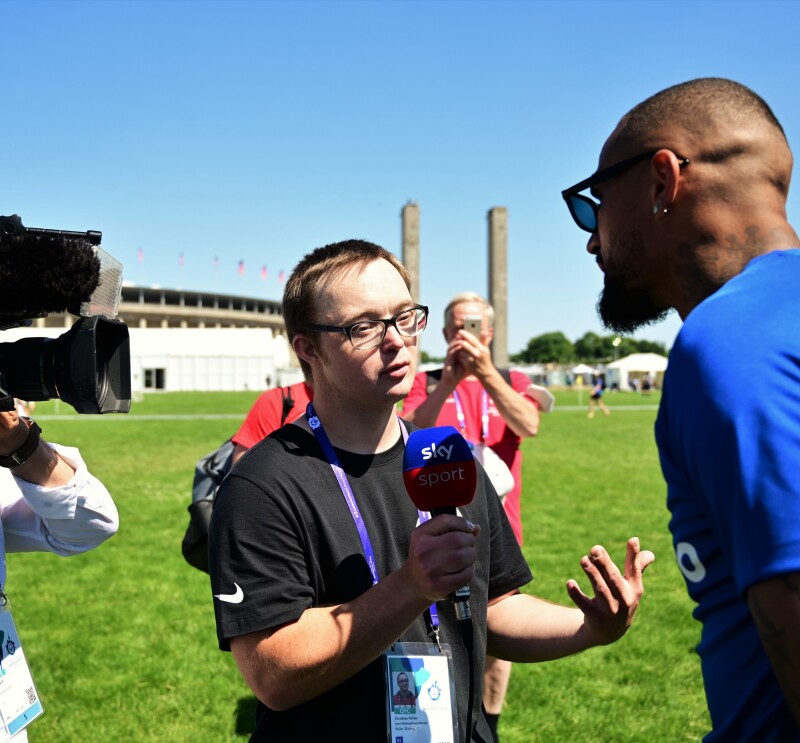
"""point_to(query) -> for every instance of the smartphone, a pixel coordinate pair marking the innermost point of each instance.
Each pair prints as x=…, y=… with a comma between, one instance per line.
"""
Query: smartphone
x=473, y=324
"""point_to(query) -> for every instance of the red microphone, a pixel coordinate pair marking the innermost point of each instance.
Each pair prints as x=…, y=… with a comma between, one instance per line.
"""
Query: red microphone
x=439, y=470
x=440, y=474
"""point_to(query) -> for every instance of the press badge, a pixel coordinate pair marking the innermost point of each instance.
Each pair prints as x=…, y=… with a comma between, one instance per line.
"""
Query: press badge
x=420, y=700
x=19, y=700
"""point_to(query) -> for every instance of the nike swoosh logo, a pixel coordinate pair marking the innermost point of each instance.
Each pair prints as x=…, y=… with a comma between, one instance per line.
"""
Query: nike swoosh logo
x=231, y=598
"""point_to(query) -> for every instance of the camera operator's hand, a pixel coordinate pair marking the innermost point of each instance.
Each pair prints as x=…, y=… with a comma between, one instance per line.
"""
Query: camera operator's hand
x=44, y=467
x=13, y=432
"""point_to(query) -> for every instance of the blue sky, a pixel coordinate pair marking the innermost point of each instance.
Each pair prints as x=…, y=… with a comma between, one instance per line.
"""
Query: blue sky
x=256, y=131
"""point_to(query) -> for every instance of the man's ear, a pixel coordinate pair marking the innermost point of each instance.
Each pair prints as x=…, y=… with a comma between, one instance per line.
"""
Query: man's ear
x=666, y=170
x=304, y=348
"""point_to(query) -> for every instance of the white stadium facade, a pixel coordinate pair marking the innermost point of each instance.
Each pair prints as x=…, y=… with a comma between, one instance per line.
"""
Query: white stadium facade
x=189, y=340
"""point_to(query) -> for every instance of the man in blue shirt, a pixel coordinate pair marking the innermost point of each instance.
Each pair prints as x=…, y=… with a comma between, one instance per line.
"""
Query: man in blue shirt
x=692, y=188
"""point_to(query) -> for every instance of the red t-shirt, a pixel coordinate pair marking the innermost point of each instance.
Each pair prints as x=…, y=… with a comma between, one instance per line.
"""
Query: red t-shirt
x=501, y=438
x=265, y=415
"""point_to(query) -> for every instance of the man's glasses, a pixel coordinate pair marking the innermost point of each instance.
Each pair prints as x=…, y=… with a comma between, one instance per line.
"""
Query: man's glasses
x=584, y=208
x=367, y=334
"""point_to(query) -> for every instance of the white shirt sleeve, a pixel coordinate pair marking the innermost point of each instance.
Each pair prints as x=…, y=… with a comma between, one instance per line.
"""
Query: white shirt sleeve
x=68, y=519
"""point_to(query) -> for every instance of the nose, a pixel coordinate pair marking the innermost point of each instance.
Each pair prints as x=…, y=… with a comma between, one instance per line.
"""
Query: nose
x=593, y=246
x=393, y=337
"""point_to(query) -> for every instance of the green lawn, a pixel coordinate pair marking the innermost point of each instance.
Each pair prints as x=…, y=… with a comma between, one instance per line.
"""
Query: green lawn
x=121, y=640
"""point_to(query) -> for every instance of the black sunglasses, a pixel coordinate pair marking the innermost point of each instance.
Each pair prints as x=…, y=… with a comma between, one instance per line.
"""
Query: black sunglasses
x=583, y=208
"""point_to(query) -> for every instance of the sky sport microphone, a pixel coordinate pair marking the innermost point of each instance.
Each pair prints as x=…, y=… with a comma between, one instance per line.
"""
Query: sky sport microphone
x=440, y=474
x=439, y=470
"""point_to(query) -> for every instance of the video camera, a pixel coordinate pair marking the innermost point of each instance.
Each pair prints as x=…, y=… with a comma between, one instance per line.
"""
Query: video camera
x=44, y=271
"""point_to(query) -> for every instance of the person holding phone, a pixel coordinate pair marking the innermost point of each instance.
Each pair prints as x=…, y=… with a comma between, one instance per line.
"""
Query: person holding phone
x=491, y=408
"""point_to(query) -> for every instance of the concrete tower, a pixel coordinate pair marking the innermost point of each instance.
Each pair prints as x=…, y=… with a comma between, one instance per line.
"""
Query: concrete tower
x=410, y=256
x=498, y=282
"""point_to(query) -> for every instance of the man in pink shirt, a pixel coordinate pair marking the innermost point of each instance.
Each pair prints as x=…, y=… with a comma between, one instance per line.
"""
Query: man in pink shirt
x=490, y=408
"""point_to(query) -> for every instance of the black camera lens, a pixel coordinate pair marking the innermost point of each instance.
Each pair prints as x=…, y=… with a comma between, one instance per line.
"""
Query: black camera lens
x=88, y=367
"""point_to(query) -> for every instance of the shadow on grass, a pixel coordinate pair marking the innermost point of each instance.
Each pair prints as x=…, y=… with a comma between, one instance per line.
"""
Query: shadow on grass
x=246, y=715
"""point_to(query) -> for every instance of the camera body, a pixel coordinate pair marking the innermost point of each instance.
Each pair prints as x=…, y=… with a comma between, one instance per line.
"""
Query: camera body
x=44, y=271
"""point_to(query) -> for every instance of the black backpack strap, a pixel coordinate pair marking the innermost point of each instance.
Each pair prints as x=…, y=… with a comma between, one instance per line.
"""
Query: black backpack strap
x=433, y=379
x=288, y=403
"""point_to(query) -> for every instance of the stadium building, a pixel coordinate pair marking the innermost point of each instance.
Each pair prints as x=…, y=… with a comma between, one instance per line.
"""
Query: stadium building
x=191, y=340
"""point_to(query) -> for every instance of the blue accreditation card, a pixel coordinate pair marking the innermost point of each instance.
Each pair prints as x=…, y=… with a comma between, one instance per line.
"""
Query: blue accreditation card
x=420, y=699
x=19, y=700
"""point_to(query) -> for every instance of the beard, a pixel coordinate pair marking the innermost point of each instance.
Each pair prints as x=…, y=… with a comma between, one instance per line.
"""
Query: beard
x=625, y=303
x=623, y=310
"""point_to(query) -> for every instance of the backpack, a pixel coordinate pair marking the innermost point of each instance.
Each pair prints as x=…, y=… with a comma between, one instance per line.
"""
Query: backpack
x=209, y=472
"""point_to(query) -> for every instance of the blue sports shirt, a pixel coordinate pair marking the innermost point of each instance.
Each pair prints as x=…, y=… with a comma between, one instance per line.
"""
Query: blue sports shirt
x=728, y=433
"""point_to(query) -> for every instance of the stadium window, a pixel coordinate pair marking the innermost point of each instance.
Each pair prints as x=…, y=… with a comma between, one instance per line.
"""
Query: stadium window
x=154, y=379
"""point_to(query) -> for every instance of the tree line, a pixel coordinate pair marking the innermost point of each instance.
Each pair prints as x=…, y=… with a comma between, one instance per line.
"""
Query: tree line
x=556, y=348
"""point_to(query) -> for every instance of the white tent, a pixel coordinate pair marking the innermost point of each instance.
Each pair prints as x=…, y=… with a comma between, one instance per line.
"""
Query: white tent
x=635, y=366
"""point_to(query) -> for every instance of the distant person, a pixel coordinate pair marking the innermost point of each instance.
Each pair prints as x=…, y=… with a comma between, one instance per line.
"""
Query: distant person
x=647, y=384
x=490, y=409
x=693, y=184
x=596, y=398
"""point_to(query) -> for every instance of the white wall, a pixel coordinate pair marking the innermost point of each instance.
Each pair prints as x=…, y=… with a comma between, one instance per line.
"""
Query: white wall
x=208, y=358
x=199, y=358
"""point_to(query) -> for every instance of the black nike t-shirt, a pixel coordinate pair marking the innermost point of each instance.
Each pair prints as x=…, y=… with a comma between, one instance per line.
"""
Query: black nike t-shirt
x=283, y=540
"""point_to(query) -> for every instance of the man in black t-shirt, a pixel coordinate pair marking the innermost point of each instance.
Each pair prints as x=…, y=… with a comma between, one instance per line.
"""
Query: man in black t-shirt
x=305, y=614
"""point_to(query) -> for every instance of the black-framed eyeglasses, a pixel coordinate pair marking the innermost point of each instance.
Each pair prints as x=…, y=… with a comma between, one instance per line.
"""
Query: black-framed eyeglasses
x=367, y=334
x=584, y=208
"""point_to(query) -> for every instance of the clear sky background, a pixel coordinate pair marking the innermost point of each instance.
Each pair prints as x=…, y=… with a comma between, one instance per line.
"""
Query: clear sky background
x=257, y=131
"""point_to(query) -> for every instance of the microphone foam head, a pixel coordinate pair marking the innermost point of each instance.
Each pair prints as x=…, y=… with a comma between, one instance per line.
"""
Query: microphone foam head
x=41, y=274
x=439, y=469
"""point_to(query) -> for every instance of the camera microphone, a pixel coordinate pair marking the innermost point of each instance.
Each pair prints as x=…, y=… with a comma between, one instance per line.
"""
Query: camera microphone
x=44, y=271
x=439, y=473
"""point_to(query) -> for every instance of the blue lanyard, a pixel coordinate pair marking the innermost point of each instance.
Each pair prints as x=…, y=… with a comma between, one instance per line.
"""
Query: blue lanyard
x=350, y=499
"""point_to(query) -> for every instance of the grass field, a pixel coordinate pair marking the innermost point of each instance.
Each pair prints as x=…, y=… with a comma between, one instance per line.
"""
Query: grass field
x=121, y=640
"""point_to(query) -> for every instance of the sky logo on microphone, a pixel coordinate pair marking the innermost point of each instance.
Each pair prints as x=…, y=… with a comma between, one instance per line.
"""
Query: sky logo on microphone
x=432, y=451
x=439, y=468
